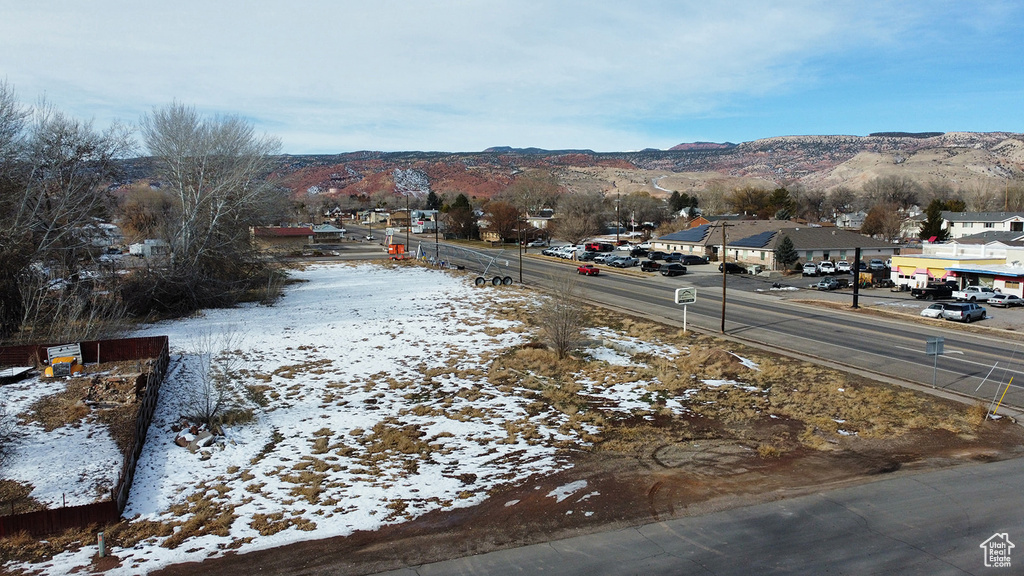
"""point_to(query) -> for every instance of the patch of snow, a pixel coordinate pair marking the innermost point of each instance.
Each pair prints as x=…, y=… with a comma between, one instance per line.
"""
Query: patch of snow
x=511, y=503
x=748, y=363
x=566, y=490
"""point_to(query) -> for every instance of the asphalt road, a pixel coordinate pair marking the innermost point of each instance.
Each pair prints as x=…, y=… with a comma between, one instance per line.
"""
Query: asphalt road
x=973, y=364
x=933, y=523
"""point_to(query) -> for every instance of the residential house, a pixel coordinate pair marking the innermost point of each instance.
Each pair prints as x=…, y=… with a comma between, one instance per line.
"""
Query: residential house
x=328, y=234
x=852, y=220
x=813, y=244
x=150, y=248
x=281, y=239
x=540, y=219
x=962, y=224
x=706, y=239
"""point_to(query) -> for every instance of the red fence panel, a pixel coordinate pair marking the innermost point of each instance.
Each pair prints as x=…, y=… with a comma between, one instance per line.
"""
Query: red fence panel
x=44, y=522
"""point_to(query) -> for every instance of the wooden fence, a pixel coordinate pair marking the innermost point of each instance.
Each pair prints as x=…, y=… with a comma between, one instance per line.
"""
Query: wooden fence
x=44, y=522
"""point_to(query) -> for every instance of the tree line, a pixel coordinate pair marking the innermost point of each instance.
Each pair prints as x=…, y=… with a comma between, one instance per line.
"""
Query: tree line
x=58, y=177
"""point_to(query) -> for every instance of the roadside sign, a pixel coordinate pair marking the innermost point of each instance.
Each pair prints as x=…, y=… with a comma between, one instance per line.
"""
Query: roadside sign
x=686, y=295
x=935, y=346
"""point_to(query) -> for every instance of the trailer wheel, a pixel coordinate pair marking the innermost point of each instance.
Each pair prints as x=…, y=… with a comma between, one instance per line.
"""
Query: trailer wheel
x=496, y=281
x=480, y=281
x=507, y=280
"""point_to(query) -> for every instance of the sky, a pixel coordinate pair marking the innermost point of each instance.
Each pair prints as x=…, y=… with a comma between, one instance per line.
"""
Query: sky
x=461, y=75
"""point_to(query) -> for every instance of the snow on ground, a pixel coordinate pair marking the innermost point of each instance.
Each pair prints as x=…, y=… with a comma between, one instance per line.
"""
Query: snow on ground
x=372, y=406
x=33, y=452
x=377, y=411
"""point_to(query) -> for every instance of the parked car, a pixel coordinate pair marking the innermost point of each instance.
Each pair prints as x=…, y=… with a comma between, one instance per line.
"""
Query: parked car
x=843, y=266
x=550, y=251
x=974, y=293
x=934, y=311
x=656, y=255
x=588, y=270
x=650, y=266
x=673, y=269
x=536, y=244
x=963, y=311
x=832, y=283
x=638, y=252
x=674, y=257
x=731, y=268
x=602, y=257
x=810, y=269
x=693, y=260
x=586, y=256
x=623, y=262
x=877, y=264
x=934, y=291
x=1005, y=301
x=826, y=267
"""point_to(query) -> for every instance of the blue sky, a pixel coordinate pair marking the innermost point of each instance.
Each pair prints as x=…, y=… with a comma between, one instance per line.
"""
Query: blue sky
x=463, y=75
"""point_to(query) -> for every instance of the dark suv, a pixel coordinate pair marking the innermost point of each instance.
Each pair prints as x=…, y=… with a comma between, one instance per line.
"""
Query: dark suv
x=650, y=266
x=656, y=255
x=731, y=268
x=692, y=259
x=673, y=269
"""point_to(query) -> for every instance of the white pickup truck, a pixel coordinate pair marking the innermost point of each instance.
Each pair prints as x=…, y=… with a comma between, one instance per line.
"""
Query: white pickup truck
x=974, y=294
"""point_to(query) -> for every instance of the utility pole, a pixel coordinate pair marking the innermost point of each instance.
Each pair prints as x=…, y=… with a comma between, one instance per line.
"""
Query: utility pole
x=725, y=274
x=408, y=223
x=618, y=198
x=519, y=229
x=437, y=244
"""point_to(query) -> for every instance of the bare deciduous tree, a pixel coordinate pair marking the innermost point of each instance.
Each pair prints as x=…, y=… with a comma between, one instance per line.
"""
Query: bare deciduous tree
x=580, y=215
x=532, y=191
x=55, y=172
x=212, y=391
x=562, y=316
x=503, y=219
x=216, y=173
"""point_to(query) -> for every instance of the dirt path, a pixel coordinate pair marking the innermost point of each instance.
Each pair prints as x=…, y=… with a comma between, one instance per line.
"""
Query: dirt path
x=609, y=490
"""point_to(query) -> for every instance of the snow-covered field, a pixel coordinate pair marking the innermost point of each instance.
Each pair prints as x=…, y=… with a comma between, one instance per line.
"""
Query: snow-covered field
x=372, y=406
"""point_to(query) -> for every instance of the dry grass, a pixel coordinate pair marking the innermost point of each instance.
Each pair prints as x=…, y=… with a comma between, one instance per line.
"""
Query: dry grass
x=62, y=409
x=15, y=498
x=205, y=516
x=269, y=524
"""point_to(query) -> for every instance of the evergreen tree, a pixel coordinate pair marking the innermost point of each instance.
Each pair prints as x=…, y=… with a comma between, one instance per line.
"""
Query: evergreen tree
x=785, y=253
x=433, y=202
x=932, y=226
x=677, y=202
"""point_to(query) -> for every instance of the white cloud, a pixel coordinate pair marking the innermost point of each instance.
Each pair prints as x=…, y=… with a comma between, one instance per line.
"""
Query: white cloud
x=335, y=76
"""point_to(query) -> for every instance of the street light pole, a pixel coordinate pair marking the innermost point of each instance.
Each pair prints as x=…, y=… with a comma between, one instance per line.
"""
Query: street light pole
x=725, y=274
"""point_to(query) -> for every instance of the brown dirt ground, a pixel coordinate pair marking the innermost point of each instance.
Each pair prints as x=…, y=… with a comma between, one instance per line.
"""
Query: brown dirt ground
x=655, y=481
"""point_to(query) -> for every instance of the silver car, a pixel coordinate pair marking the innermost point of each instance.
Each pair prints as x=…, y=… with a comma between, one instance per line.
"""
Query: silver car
x=963, y=311
x=934, y=311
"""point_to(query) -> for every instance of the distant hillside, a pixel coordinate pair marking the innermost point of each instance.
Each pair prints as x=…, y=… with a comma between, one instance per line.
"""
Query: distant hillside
x=961, y=159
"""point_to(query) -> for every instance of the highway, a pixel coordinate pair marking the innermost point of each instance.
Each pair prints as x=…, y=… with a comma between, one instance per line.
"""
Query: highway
x=871, y=344
x=975, y=364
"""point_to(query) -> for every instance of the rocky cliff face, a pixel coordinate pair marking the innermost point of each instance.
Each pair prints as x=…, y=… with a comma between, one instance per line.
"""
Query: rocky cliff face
x=962, y=159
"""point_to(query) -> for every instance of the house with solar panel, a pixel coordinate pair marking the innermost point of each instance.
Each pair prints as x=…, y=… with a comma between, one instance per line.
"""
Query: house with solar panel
x=753, y=242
